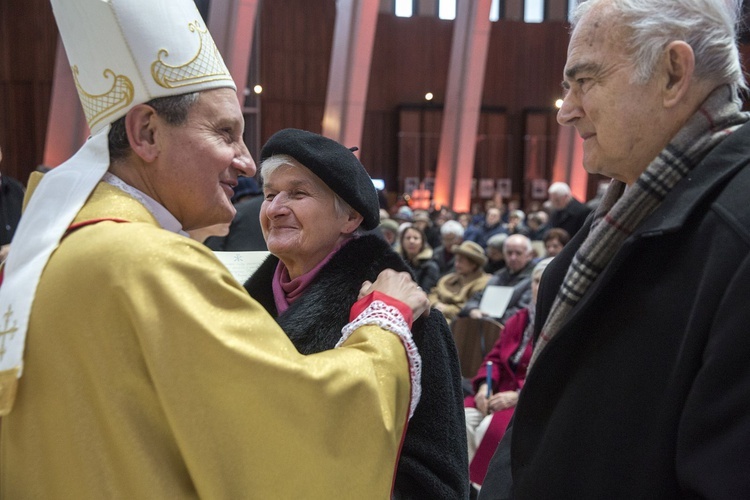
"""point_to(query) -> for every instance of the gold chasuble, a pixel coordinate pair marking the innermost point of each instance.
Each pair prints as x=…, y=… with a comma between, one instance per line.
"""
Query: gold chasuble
x=149, y=373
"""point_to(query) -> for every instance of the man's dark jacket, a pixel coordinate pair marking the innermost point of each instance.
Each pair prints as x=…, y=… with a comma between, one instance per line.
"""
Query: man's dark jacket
x=570, y=218
x=645, y=390
x=11, y=200
x=434, y=461
x=244, y=232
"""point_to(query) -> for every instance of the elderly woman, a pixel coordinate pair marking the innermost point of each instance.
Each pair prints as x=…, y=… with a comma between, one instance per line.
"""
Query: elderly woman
x=319, y=200
x=454, y=289
x=489, y=410
x=418, y=254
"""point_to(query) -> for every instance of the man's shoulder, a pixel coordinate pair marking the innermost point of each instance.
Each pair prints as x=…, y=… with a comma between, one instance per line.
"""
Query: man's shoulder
x=576, y=207
x=731, y=203
x=12, y=184
x=126, y=243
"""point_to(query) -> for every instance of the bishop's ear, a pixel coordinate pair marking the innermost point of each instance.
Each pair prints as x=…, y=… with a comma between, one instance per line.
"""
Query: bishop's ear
x=141, y=124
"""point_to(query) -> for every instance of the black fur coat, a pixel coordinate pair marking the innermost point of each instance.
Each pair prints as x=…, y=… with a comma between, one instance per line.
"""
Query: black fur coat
x=433, y=462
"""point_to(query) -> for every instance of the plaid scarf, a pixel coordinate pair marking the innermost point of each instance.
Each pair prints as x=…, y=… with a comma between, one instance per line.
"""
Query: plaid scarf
x=618, y=214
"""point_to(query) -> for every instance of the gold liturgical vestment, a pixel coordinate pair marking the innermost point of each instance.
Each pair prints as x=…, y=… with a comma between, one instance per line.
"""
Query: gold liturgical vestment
x=150, y=373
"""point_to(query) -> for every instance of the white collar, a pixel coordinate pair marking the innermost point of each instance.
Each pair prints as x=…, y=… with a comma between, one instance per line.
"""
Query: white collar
x=163, y=216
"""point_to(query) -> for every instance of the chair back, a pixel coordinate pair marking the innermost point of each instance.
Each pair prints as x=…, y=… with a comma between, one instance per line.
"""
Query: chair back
x=474, y=339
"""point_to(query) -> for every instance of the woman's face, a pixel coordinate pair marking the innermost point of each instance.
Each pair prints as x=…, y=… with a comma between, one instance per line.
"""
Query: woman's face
x=299, y=219
x=411, y=242
x=464, y=265
x=553, y=247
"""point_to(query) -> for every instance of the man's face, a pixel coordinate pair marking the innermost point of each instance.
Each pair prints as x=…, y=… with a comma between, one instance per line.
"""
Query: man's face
x=200, y=160
x=449, y=240
x=616, y=119
x=494, y=254
x=516, y=253
x=493, y=216
x=558, y=201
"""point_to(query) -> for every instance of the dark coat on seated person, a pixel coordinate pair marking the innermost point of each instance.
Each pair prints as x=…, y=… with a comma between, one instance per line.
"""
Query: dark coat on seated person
x=433, y=462
x=645, y=390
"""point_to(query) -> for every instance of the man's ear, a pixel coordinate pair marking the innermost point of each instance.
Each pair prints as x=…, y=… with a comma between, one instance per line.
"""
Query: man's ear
x=141, y=123
x=679, y=66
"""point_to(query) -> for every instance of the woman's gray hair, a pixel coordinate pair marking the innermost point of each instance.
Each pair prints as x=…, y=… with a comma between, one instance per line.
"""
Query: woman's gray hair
x=708, y=26
x=273, y=163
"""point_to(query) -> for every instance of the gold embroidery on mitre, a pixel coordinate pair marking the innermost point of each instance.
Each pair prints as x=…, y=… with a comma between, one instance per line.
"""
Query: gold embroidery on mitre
x=7, y=330
x=205, y=66
x=97, y=107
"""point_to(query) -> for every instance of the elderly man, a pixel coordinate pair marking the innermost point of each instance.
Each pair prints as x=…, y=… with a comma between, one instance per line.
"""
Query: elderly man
x=148, y=371
x=639, y=385
x=493, y=225
x=517, y=253
x=568, y=213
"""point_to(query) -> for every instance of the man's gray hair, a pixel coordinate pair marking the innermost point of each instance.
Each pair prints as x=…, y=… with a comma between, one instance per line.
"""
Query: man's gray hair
x=452, y=227
x=559, y=188
x=497, y=241
x=520, y=238
x=708, y=26
x=172, y=109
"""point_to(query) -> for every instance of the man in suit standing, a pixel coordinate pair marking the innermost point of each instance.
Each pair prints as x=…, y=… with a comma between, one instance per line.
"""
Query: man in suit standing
x=569, y=213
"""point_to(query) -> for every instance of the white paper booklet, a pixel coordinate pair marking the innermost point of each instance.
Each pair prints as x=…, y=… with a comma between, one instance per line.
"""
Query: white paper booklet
x=242, y=265
x=495, y=300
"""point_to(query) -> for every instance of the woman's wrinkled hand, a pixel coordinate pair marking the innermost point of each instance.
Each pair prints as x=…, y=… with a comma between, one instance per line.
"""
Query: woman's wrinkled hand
x=401, y=287
x=503, y=400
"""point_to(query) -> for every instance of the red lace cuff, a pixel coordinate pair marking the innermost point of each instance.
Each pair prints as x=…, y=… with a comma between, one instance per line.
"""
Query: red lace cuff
x=365, y=302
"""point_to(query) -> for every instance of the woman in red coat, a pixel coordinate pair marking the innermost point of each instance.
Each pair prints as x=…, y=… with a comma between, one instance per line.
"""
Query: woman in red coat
x=489, y=410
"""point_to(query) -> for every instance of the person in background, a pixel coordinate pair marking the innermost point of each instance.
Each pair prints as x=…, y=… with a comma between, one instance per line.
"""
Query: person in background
x=418, y=254
x=318, y=205
x=454, y=289
x=515, y=224
x=517, y=252
x=244, y=233
x=490, y=408
x=492, y=225
x=421, y=220
x=639, y=385
x=389, y=232
x=11, y=201
x=538, y=224
x=494, y=251
x=148, y=371
x=567, y=212
x=555, y=240
x=451, y=234
x=404, y=215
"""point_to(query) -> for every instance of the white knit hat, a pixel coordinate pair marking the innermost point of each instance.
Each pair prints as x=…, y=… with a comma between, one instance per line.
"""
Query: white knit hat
x=123, y=53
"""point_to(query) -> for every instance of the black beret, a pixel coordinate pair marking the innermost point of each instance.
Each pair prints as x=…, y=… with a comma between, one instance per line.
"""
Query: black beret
x=336, y=166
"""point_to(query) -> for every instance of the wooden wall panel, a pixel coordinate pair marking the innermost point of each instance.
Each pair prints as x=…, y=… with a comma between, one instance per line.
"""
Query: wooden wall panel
x=28, y=38
x=296, y=38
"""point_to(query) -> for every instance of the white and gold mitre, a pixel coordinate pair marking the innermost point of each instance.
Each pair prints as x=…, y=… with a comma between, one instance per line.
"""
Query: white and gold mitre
x=122, y=53
x=127, y=52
